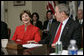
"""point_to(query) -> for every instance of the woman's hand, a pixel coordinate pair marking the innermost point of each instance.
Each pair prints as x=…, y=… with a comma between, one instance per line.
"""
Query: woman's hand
x=31, y=42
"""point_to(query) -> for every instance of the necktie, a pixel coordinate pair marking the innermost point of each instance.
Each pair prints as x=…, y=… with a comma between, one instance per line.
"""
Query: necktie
x=49, y=25
x=58, y=33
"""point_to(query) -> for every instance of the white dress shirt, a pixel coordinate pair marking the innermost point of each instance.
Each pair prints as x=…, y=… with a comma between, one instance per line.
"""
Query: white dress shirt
x=81, y=21
x=50, y=21
x=63, y=25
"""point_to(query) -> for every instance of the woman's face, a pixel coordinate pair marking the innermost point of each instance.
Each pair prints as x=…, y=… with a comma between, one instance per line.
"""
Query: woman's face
x=25, y=18
x=34, y=17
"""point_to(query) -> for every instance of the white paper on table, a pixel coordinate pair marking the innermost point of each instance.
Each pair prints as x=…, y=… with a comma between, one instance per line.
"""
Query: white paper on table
x=80, y=52
x=31, y=45
x=65, y=52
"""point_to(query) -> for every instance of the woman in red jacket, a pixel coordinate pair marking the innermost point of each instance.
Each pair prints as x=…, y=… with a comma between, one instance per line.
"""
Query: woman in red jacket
x=26, y=33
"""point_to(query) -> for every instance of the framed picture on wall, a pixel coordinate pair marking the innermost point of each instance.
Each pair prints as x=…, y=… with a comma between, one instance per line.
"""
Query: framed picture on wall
x=19, y=3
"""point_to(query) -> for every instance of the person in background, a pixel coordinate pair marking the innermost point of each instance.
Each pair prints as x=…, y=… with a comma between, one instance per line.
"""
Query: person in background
x=35, y=20
x=64, y=30
x=26, y=33
x=82, y=38
x=4, y=33
x=48, y=23
x=50, y=20
x=4, y=30
x=79, y=19
x=80, y=16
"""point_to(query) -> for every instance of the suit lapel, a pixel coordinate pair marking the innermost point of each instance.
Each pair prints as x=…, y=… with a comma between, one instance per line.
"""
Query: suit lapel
x=66, y=29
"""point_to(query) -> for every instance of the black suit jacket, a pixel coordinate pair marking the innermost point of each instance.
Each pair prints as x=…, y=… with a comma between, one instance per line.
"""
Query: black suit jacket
x=78, y=22
x=46, y=23
x=38, y=24
x=71, y=30
x=4, y=30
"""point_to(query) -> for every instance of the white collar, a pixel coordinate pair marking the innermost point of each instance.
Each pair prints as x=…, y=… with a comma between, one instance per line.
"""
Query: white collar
x=51, y=20
x=65, y=21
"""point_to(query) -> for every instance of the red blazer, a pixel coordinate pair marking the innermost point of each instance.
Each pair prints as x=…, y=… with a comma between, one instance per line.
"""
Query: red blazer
x=31, y=33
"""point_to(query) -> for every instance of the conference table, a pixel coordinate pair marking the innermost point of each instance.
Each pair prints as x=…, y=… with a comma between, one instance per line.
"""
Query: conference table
x=17, y=49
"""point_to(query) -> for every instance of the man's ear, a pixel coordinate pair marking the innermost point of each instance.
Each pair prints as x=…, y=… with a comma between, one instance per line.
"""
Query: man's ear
x=62, y=13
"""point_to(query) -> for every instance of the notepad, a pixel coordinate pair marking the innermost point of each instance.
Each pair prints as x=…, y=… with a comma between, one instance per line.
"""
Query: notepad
x=31, y=45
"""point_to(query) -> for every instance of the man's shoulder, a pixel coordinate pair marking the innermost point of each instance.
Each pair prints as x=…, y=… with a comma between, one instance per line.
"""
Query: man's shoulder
x=54, y=19
x=73, y=22
x=46, y=21
x=55, y=22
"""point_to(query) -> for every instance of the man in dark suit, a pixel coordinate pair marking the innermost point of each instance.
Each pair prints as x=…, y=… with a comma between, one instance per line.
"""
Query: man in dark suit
x=80, y=16
x=50, y=19
x=79, y=19
x=48, y=23
x=69, y=29
x=4, y=33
